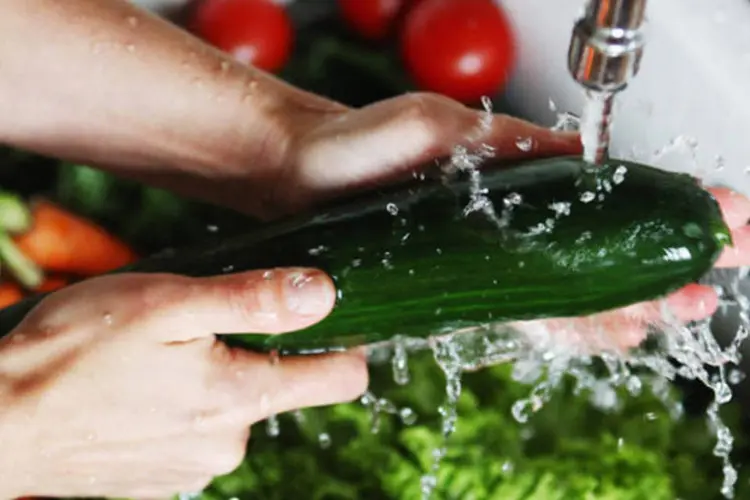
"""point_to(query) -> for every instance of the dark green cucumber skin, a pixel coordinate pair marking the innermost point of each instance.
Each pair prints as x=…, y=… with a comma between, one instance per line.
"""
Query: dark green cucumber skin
x=431, y=268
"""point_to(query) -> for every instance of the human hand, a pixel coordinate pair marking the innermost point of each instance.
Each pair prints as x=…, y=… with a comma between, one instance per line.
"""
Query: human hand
x=625, y=328
x=337, y=150
x=117, y=387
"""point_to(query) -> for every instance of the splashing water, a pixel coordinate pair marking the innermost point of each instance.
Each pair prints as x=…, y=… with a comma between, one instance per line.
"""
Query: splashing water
x=448, y=359
x=542, y=357
x=541, y=360
x=400, y=362
x=382, y=406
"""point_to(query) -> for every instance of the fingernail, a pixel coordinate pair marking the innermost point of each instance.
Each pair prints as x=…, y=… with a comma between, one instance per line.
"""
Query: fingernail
x=308, y=293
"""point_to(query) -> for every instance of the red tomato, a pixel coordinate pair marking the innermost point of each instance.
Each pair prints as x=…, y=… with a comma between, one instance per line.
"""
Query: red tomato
x=256, y=32
x=463, y=49
x=371, y=19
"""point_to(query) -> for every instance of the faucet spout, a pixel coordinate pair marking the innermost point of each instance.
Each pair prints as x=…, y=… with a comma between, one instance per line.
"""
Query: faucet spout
x=607, y=44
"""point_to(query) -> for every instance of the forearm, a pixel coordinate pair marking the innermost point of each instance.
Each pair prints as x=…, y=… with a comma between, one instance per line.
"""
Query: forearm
x=104, y=82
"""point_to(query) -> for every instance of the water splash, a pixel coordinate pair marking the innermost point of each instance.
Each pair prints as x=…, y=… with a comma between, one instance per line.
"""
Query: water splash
x=400, y=362
x=448, y=359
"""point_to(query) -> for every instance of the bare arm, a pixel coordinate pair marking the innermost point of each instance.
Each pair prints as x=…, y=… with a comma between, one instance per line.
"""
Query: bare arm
x=103, y=81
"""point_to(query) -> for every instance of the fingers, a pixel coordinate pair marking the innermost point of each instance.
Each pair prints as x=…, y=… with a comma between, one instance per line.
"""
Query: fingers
x=734, y=206
x=691, y=303
x=625, y=328
x=296, y=382
x=514, y=138
x=383, y=142
x=270, y=301
x=737, y=255
x=736, y=211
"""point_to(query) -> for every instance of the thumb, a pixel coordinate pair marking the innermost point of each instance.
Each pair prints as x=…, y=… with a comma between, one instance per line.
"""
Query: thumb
x=263, y=301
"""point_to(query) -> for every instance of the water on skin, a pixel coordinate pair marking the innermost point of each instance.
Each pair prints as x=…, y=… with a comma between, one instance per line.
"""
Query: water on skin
x=448, y=359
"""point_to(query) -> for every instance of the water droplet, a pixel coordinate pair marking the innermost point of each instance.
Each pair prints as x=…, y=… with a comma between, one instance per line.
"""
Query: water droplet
x=735, y=376
x=519, y=411
x=392, y=208
x=299, y=280
x=400, y=362
x=227, y=269
x=407, y=416
x=324, y=440
x=720, y=163
x=107, y=319
x=633, y=385
x=692, y=230
x=525, y=144
x=272, y=426
x=619, y=175
x=212, y=228
x=560, y=208
x=512, y=199
x=587, y=196
x=317, y=250
x=267, y=275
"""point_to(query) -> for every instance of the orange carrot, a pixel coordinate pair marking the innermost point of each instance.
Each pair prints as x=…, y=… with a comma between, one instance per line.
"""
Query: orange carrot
x=10, y=293
x=51, y=283
x=65, y=242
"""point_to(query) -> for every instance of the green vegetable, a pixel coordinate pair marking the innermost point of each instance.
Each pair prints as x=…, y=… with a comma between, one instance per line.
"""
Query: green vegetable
x=566, y=241
x=568, y=450
x=15, y=216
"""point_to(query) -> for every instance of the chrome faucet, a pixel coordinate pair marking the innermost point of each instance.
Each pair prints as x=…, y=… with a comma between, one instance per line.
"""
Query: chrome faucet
x=607, y=44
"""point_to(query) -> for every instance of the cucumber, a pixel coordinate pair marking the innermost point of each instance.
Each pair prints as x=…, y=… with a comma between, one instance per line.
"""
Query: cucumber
x=566, y=240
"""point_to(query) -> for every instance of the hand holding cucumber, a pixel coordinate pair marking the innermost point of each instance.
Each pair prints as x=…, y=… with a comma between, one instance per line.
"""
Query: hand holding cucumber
x=116, y=387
